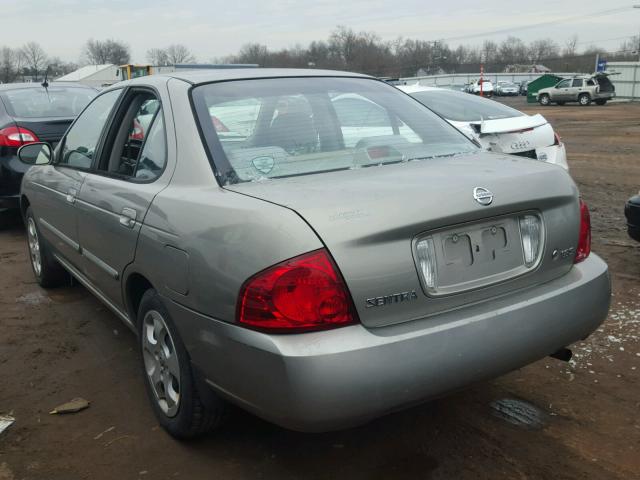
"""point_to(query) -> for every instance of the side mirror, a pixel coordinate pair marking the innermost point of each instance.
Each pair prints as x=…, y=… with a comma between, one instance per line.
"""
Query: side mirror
x=35, y=153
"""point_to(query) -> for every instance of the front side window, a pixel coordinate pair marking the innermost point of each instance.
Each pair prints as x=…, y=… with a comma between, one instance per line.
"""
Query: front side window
x=270, y=128
x=461, y=107
x=564, y=84
x=138, y=150
x=81, y=141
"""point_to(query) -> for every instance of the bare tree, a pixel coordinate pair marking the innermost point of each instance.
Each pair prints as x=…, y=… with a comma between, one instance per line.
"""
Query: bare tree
x=9, y=64
x=157, y=56
x=543, y=49
x=179, y=54
x=100, y=52
x=570, y=46
x=34, y=57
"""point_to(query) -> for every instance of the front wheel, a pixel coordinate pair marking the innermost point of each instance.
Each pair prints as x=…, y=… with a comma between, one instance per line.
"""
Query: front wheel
x=544, y=100
x=48, y=272
x=169, y=378
x=584, y=99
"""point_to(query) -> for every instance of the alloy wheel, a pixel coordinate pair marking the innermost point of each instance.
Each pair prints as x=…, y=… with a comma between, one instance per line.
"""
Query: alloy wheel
x=34, y=246
x=161, y=362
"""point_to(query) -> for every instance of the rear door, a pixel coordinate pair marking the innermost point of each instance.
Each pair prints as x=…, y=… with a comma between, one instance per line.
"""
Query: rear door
x=576, y=88
x=57, y=186
x=115, y=197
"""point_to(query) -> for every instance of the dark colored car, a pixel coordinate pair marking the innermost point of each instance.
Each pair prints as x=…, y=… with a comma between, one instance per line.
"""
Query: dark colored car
x=31, y=113
x=632, y=212
x=524, y=86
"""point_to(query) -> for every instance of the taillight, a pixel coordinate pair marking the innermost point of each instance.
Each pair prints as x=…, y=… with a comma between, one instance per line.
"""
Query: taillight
x=584, y=240
x=218, y=125
x=138, y=132
x=300, y=294
x=16, y=137
x=556, y=139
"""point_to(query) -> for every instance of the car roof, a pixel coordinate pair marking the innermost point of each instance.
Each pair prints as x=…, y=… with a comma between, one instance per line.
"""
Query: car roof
x=197, y=77
x=16, y=86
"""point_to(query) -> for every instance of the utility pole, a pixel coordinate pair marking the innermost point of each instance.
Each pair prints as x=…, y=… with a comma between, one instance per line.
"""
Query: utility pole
x=638, y=52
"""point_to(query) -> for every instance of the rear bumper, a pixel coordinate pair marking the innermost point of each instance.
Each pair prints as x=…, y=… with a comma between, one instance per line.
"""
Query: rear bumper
x=11, y=173
x=335, y=379
x=632, y=213
x=9, y=202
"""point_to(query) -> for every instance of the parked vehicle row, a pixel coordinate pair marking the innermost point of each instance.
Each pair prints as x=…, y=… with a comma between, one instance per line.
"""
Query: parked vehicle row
x=316, y=247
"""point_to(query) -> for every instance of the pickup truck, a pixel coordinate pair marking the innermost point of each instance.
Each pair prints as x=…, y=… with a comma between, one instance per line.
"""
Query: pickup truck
x=584, y=90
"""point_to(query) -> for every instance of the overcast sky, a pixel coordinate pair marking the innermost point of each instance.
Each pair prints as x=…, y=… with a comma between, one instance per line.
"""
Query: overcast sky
x=213, y=28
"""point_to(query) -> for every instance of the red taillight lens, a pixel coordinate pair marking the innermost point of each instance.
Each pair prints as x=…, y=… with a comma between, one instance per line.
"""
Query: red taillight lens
x=218, y=125
x=16, y=137
x=301, y=294
x=584, y=240
x=556, y=139
x=138, y=132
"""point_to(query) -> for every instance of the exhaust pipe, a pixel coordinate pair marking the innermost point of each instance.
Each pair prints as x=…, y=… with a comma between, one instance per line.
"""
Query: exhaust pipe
x=563, y=354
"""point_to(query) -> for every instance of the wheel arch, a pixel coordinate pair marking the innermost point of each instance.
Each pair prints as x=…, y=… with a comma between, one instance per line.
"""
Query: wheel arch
x=24, y=205
x=135, y=286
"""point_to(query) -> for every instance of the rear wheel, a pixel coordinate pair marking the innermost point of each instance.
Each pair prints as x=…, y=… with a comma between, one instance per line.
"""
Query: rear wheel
x=544, y=100
x=601, y=102
x=48, y=272
x=169, y=376
x=584, y=99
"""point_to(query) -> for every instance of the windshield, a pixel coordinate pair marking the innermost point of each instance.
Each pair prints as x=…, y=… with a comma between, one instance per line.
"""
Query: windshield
x=462, y=107
x=52, y=102
x=269, y=128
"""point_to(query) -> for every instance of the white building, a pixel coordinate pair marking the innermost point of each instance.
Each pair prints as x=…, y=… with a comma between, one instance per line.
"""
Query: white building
x=93, y=75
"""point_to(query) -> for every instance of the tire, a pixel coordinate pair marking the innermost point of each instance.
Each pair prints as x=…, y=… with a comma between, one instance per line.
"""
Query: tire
x=584, y=99
x=600, y=102
x=48, y=272
x=178, y=406
x=544, y=100
x=560, y=103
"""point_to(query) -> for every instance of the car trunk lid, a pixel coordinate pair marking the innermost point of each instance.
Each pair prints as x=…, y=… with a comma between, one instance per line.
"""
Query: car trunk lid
x=515, y=135
x=47, y=129
x=370, y=220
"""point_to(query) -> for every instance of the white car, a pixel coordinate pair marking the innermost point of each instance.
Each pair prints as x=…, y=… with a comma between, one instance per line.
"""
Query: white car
x=497, y=127
x=487, y=87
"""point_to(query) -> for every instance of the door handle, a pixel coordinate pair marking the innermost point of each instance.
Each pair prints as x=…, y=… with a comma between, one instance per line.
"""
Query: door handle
x=128, y=217
x=71, y=195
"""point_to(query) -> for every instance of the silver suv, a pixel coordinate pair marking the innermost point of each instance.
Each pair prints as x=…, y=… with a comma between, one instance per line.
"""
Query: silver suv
x=584, y=90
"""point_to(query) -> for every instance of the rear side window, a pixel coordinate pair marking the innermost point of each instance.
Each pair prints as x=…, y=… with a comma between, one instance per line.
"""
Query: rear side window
x=52, y=102
x=81, y=141
x=577, y=82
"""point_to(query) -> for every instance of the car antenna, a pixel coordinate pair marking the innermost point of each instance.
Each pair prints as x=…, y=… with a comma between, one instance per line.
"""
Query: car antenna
x=45, y=83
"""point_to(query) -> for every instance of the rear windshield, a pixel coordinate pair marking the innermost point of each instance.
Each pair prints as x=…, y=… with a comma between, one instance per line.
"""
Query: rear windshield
x=281, y=127
x=462, y=107
x=51, y=102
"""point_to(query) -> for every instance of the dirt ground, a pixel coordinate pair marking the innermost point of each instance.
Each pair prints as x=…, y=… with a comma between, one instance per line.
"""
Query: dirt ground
x=574, y=421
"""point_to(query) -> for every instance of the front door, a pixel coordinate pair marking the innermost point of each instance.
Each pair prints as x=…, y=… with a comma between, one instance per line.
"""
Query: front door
x=57, y=185
x=562, y=91
x=115, y=197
